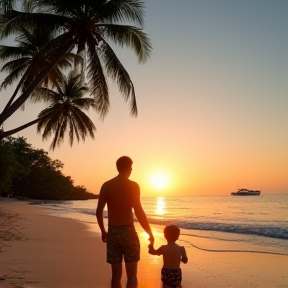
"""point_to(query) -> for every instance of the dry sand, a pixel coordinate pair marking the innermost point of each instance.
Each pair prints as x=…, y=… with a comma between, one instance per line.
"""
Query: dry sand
x=38, y=250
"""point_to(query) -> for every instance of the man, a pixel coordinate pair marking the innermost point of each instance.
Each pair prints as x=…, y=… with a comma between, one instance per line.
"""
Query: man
x=121, y=196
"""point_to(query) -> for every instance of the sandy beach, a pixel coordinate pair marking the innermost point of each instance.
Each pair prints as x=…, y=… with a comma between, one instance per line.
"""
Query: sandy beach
x=38, y=250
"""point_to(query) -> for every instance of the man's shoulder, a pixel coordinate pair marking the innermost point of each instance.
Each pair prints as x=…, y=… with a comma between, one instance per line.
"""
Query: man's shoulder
x=114, y=182
x=133, y=182
x=106, y=185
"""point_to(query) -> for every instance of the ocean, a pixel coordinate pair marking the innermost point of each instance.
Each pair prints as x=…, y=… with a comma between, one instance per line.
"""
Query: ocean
x=258, y=223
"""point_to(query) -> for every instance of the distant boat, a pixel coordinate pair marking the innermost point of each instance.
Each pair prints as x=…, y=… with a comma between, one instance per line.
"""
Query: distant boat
x=246, y=192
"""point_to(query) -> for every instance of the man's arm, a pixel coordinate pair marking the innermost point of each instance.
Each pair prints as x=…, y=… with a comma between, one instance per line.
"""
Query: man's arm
x=141, y=216
x=99, y=214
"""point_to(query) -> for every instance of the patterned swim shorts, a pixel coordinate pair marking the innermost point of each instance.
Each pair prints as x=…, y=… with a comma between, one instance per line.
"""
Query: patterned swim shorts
x=171, y=277
x=122, y=241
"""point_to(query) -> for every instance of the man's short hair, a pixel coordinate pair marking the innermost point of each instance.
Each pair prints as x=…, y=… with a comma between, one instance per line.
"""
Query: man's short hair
x=124, y=163
x=171, y=232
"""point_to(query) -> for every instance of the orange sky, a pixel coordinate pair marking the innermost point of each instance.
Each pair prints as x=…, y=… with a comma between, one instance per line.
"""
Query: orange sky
x=212, y=104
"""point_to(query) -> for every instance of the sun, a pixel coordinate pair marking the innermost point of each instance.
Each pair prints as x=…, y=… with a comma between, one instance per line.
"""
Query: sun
x=160, y=180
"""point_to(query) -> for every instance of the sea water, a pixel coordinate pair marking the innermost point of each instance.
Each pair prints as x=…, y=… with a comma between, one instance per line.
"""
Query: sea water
x=260, y=223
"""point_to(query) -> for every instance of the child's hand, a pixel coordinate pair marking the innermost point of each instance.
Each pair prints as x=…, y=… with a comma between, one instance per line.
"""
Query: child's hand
x=150, y=246
x=152, y=250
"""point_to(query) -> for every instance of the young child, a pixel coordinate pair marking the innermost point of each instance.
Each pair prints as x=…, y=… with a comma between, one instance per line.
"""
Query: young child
x=173, y=254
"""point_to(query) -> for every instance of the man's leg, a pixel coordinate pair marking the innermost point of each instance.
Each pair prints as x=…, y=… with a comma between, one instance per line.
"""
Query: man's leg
x=131, y=270
x=116, y=275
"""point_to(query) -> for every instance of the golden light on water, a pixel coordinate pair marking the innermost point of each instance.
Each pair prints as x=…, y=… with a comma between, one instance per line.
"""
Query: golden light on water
x=160, y=206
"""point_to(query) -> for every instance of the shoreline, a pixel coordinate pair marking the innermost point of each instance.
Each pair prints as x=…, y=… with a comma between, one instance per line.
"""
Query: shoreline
x=38, y=250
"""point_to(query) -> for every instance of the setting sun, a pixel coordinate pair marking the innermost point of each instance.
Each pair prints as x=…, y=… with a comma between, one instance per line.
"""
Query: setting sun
x=159, y=180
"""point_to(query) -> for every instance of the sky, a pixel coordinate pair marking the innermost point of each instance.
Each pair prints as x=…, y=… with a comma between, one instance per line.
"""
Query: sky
x=212, y=103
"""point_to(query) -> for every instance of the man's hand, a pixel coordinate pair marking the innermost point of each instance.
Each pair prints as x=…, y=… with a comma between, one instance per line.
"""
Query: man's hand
x=151, y=239
x=104, y=236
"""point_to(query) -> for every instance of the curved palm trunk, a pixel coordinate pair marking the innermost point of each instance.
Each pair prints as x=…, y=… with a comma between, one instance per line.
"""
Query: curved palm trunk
x=38, y=81
x=13, y=131
x=14, y=94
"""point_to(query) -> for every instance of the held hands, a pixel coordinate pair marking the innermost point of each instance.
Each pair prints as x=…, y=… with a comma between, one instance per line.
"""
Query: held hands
x=151, y=248
x=151, y=239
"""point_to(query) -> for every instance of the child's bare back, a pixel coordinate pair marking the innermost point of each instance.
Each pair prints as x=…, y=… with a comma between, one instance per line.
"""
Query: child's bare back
x=173, y=255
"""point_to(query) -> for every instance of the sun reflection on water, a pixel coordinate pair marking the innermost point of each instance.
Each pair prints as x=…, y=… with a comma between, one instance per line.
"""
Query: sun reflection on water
x=160, y=206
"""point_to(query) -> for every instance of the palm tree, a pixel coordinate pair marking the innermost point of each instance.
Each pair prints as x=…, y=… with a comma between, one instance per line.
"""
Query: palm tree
x=67, y=102
x=86, y=26
x=27, y=60
x=68, y=99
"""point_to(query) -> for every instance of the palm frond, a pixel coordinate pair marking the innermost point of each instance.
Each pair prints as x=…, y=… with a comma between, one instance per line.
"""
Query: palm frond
x=56, y=139
x=132, y=37
x=49, y=120
x=14, y=74
x=46, y=95
x=77, y=117
x=117, y=72
x=97, y=81
x=71, y=132
x=75, y=129
x=84, y=103
x=83, y=123
x=62, y=130
x=10, y=52
x=122, y=11
x=15, y=20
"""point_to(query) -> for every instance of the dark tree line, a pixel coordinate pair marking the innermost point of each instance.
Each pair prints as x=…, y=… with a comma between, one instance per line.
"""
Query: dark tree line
x=30, y=173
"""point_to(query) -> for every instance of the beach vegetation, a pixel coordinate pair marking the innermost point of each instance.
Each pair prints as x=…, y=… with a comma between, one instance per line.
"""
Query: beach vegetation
x=68, y=99
x=27, y=172
x=85, y=28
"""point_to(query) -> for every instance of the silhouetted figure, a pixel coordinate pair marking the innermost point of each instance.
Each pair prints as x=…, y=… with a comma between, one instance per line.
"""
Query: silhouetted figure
x=122, y=196
x=173, y=254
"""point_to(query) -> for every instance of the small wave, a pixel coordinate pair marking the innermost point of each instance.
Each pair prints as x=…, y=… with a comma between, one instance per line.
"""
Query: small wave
x=238, y=251
x=267, y=231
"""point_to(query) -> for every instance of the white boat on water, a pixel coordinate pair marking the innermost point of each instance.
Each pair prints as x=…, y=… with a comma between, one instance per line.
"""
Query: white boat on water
x=246, y=192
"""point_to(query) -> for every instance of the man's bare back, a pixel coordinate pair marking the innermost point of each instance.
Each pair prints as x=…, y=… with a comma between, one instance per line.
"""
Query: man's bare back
x=121, y=195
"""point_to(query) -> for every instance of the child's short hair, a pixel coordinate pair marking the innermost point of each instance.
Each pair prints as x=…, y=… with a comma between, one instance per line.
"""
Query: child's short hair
x=171, y=232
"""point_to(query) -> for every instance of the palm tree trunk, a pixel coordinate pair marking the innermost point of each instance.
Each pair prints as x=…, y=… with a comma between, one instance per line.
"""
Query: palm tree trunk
x=13, y=131
x=38, y=81
x=15, y=93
